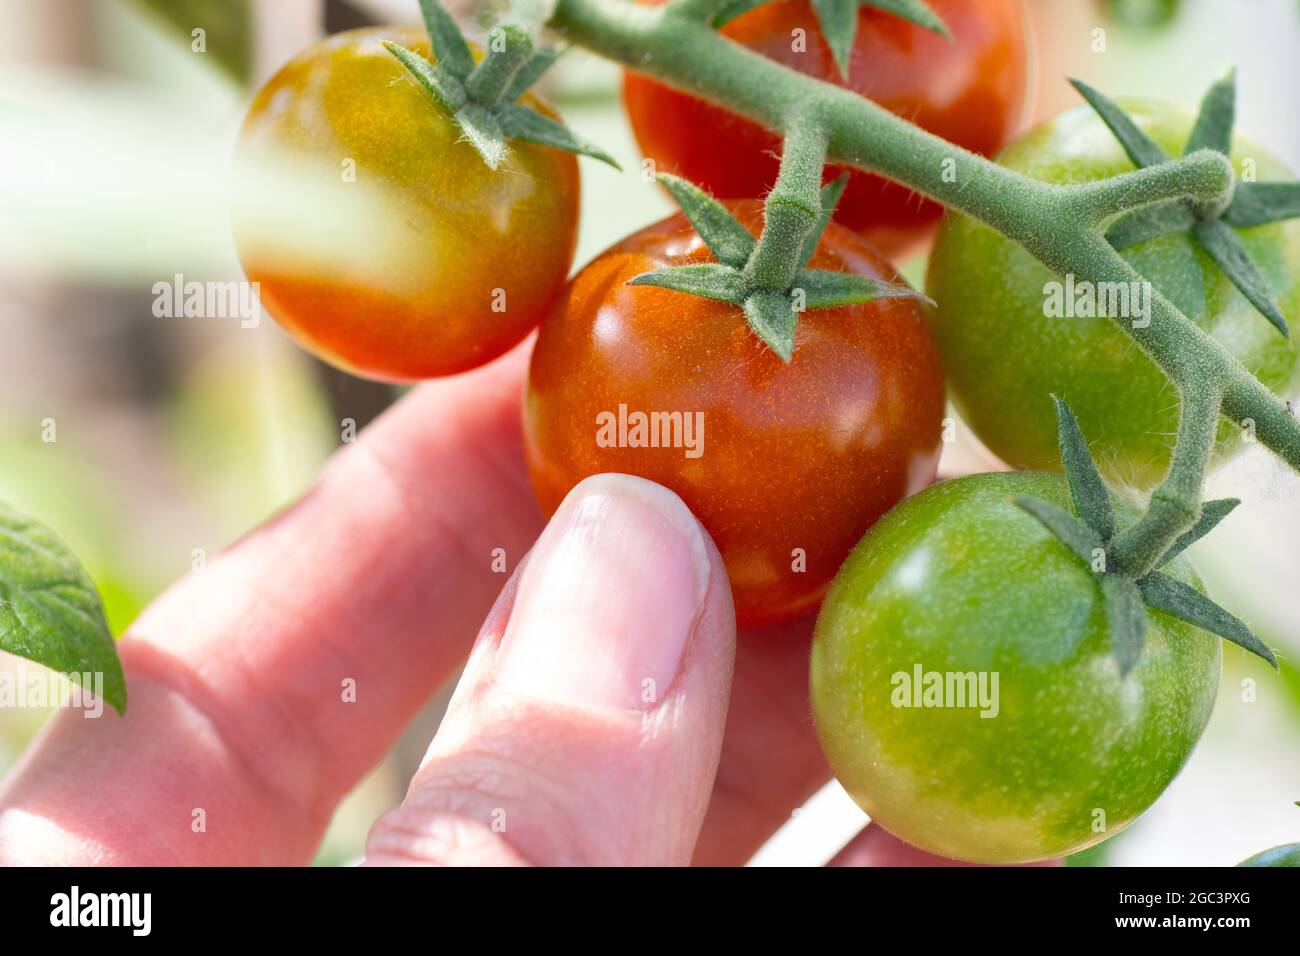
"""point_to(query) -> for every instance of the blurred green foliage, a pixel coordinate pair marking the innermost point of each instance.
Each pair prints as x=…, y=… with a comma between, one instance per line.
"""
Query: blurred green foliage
x=227, y=25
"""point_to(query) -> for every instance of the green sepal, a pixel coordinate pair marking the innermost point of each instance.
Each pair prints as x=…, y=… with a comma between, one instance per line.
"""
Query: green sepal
x=1213, y=129
x=1212, y=512
x=914, y=11
x=823, y=289
x=1073, y=533
x=1150, y=222
x=1227, y=251
x=1087, y=490
x=50, y=612
x=707, y=280
x=838, y=20
x=482, y=130
x=830, y=198
x=1126, y=613
x=445, y=39
x=525, y=123
x=1255, y=204
x=1185, y=602
x=1139, y=147
x=530, y=73
x=729, y=241
x=735, y=9
x=446, y=89
x=773, y=319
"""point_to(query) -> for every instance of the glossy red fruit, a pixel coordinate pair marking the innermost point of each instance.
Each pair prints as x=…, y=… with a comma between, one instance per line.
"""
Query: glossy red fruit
x=786, y=465
x=970, y=90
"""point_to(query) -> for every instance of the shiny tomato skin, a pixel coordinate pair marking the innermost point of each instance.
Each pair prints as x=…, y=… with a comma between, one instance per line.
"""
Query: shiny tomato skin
x=959, y=579
x=410, y=258
x=799, y=456
x=1005, y=357
x=971, y=91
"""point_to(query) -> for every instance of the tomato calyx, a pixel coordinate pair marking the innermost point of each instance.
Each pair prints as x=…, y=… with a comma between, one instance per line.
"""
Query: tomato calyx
x=838, y=20
x=481, y=98
x=1246, y=204
x=1089, y=532
x=770, y=308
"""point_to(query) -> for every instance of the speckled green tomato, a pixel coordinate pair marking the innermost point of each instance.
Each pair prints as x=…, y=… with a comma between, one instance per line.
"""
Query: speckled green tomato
x=1288, y=855
x=959, y=580
x=378, y=236
x=1005, y=357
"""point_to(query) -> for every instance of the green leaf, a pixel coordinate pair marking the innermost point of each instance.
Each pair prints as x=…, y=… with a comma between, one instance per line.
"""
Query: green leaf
x=1150, y=222
x=448, y=44
x=1213, y=129
x=1226, y=249
x=441, y=85
x=1212, y=512
x=1140, y=148
x=830, y=198
x=522, y=122
x=1182, y=601
x=1127, y=616
x=773, y=320
x=838, y=20
x=483, y=132
x=50, y=612
x=1091, y=499
x=823, y=289
x=729, y=241
x=914, y=11
x=1074, y=534
x=530, y=73
x=709, y=280
x=1254, y=204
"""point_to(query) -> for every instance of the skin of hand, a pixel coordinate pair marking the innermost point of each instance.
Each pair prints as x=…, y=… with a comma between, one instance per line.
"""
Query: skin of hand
x=607, y=713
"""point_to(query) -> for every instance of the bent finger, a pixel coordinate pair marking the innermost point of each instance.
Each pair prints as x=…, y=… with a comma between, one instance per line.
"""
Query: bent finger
x=587, y=726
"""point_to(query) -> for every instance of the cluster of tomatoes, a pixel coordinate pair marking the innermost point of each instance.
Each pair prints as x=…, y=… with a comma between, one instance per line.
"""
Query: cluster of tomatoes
x=799, y=460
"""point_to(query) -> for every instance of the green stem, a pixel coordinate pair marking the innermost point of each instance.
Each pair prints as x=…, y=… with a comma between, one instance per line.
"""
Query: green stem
x=1176, y=505
x=701, y=11
x=492, y=77
x=792, y=209
x=1203, y=173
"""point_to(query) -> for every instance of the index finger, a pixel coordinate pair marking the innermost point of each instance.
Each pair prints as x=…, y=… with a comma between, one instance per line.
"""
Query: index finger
x=265, y=686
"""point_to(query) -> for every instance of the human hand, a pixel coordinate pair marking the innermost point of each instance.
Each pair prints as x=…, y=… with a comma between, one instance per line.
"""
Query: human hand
x=607, y=714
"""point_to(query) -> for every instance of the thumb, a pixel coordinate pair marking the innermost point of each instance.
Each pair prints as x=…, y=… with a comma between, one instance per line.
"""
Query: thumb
x=587, y=726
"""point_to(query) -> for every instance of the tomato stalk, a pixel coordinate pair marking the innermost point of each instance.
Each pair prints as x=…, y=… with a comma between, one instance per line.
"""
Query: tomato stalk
x=1059, y=225
x=792, y=210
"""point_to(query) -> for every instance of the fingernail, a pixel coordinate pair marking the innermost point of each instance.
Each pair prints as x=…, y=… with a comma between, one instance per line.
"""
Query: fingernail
x=609, y=599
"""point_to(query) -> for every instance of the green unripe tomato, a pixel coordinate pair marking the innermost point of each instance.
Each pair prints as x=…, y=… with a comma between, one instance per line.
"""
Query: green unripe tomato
x=959, y=580
x=1288, y=855
x=1005, y=356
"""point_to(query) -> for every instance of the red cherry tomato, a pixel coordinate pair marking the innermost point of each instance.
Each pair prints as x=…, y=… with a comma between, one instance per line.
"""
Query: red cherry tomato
x=394, y=251
x=786, y=465
x=970, y=90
